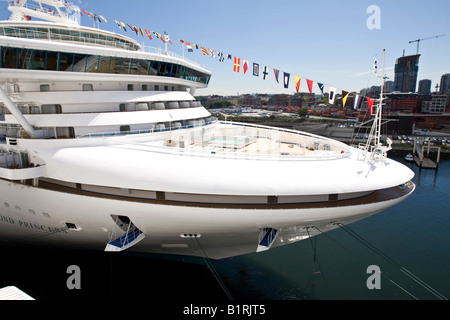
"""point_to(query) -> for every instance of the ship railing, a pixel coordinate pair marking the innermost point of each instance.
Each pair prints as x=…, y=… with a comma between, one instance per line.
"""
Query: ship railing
x=144, y=131
x=162, y=51
x=14, y=167
x=26, y=33
x=199, y=146
x=39, y=8
x=302, y=133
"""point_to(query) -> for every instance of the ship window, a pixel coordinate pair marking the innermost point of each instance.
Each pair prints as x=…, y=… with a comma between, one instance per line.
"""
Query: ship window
x=160, y=195
x=79, y=63
x=10, y=58
x=65, y=61
x=104, y=65
x=332, y=197
x=6, y=204
x=175, y=68
x=65, y=132
x=156, y=87
x=92, y=63
x=71, y=226
x=24, y=56
x=130, y=87
x=153, y=68
x=52, y=61
x=124, y=129
x=143, y=66
x=272, y=199
x=116, y=65
x=144, y=87
x=182, y=72
x=88, y=87
x=61, y=61
x=51, y=109
x=45, y=87
x=134, y=66
x=162, y=69
x=38, y=60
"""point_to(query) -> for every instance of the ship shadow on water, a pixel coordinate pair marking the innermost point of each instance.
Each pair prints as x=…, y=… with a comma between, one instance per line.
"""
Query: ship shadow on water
x=43, y=274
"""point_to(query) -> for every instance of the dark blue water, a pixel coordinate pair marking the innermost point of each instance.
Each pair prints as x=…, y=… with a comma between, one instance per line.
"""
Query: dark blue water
x=412, y=239
x=414, y=234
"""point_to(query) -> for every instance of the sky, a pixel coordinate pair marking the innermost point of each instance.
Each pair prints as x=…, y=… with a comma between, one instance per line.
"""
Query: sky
x=334, y=42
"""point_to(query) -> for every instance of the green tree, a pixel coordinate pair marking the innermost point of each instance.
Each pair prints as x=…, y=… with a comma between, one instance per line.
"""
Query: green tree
x=302, y=112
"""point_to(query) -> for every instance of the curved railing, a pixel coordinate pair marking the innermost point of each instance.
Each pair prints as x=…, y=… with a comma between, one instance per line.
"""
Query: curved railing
x=202, y=149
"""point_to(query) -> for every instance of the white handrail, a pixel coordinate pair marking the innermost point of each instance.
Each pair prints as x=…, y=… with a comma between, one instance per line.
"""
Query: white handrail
x=213, y=153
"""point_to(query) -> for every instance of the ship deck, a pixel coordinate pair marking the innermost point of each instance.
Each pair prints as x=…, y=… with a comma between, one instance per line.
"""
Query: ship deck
x=238, y=140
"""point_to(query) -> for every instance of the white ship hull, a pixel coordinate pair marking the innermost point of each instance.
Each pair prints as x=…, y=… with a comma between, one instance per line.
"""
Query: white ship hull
x=35, y=215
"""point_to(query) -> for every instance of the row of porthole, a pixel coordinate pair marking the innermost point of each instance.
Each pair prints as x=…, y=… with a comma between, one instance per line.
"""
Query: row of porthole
x=31, y=211
x=68, y=225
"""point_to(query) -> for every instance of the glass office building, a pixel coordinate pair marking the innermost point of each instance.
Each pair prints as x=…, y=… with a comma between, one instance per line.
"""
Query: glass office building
x=406, y=69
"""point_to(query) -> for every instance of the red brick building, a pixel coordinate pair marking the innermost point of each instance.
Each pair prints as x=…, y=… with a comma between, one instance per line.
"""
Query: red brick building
x=404, y=102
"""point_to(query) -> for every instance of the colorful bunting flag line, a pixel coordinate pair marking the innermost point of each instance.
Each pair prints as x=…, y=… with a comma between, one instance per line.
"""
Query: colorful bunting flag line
x=357, y=99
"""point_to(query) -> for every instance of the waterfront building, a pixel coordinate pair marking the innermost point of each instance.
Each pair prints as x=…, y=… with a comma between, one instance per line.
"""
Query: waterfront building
x=436, y=105
x=406, y=69
x=445, y=83
x=424, y=86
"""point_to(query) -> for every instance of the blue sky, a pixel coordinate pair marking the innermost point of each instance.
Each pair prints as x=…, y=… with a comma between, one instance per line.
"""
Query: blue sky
x=326, y=41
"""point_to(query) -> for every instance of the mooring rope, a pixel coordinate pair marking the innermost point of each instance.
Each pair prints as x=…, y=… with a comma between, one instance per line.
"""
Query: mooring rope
x=213, y=271
x=393, y=262
x=358, y=255
x=316, y=259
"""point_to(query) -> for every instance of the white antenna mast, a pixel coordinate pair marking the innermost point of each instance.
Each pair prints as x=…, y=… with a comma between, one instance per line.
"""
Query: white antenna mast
x=379, y=151
x=380, y=105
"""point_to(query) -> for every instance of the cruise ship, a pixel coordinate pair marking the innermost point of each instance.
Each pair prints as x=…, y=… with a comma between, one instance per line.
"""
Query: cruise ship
x=104, y=147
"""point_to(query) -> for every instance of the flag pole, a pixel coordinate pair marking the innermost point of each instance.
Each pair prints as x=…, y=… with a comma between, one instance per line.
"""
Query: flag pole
x=380, y=112
x=182, y=48
x=165, y=42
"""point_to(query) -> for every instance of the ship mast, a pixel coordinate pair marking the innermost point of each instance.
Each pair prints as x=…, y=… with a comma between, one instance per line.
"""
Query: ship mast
x=380, y=105
x=379, y=151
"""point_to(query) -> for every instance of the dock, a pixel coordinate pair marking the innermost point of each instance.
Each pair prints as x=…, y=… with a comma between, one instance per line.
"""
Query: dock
x=423, y=161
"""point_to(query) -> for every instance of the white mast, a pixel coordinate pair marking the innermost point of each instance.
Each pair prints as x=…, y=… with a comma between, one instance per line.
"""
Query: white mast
x=380, y=105
x=378, y=151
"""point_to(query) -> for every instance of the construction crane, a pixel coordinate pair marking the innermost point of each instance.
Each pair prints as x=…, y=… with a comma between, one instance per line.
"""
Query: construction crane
x=418, y=41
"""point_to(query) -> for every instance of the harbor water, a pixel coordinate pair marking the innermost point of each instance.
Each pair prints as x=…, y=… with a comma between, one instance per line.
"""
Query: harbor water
x=408, y=243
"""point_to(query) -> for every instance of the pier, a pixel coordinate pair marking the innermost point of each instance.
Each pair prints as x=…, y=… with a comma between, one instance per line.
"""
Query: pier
x=419, y=157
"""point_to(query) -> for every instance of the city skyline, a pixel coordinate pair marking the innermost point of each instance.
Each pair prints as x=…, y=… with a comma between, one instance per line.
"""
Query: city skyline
x=329, y=42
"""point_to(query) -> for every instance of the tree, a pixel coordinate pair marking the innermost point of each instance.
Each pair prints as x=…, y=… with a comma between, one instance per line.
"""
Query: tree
x=302, y=112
